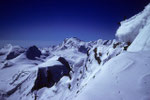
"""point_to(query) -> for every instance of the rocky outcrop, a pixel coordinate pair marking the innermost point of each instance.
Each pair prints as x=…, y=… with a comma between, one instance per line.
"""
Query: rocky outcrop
x=48, y=76
x=96, y=56
x=33, y=52
x=14, y=52
x=12, y=55
x=83, y=49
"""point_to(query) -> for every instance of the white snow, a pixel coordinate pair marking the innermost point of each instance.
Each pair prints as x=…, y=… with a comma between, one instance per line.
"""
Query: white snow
x=100, y=70
x=22, y=72
x=130, y=28
x=125, y=77
x=142, y=41
x=50, y=62
x=136, y=30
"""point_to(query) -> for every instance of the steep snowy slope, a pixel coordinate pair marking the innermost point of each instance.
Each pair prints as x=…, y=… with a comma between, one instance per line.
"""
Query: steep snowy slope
x=136, y=30
x=142, y=41
x=130, y=28
x=127, y=76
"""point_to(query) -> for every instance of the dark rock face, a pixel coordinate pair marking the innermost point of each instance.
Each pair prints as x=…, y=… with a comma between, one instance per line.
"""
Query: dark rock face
x=64, y=62
x=96, y=56
x=48, y=76
x=33, y=52
x=116, y=44
x=82, y=49
x=13, y=54
x=128, y=44
x=44, y=79
x=1, y=54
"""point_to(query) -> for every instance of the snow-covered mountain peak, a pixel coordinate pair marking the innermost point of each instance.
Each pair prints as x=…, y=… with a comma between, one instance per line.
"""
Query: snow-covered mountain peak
x=70, y=43
x=36, y=72
x=72, y=39
x=74, y=69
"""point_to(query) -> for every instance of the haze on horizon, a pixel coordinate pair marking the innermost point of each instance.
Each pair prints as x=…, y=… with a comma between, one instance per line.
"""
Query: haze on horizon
x=26, y=22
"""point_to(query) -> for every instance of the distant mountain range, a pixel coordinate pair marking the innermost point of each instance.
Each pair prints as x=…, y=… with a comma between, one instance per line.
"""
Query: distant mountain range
x=78, y=70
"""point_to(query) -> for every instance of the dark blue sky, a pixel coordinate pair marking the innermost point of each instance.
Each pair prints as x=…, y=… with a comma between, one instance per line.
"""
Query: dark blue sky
x=54, y=20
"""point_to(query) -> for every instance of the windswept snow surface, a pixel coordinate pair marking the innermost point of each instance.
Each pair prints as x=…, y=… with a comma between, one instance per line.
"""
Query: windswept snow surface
x=142, y=41
x=130, y=28
x=136, y=30
x=125, y=77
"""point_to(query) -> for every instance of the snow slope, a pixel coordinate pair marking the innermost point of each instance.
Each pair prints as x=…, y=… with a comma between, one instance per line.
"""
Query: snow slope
x=136, y=30
x=131, y=27
x=142, y=41
x=21, y=76
x=125, y=77
x=74, y=69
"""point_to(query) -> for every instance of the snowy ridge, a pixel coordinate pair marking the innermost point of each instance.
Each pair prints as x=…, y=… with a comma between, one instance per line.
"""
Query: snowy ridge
x=78, y=70
x=82, y=57
x=126, y=76
x=130, y=28
x=142, y=41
